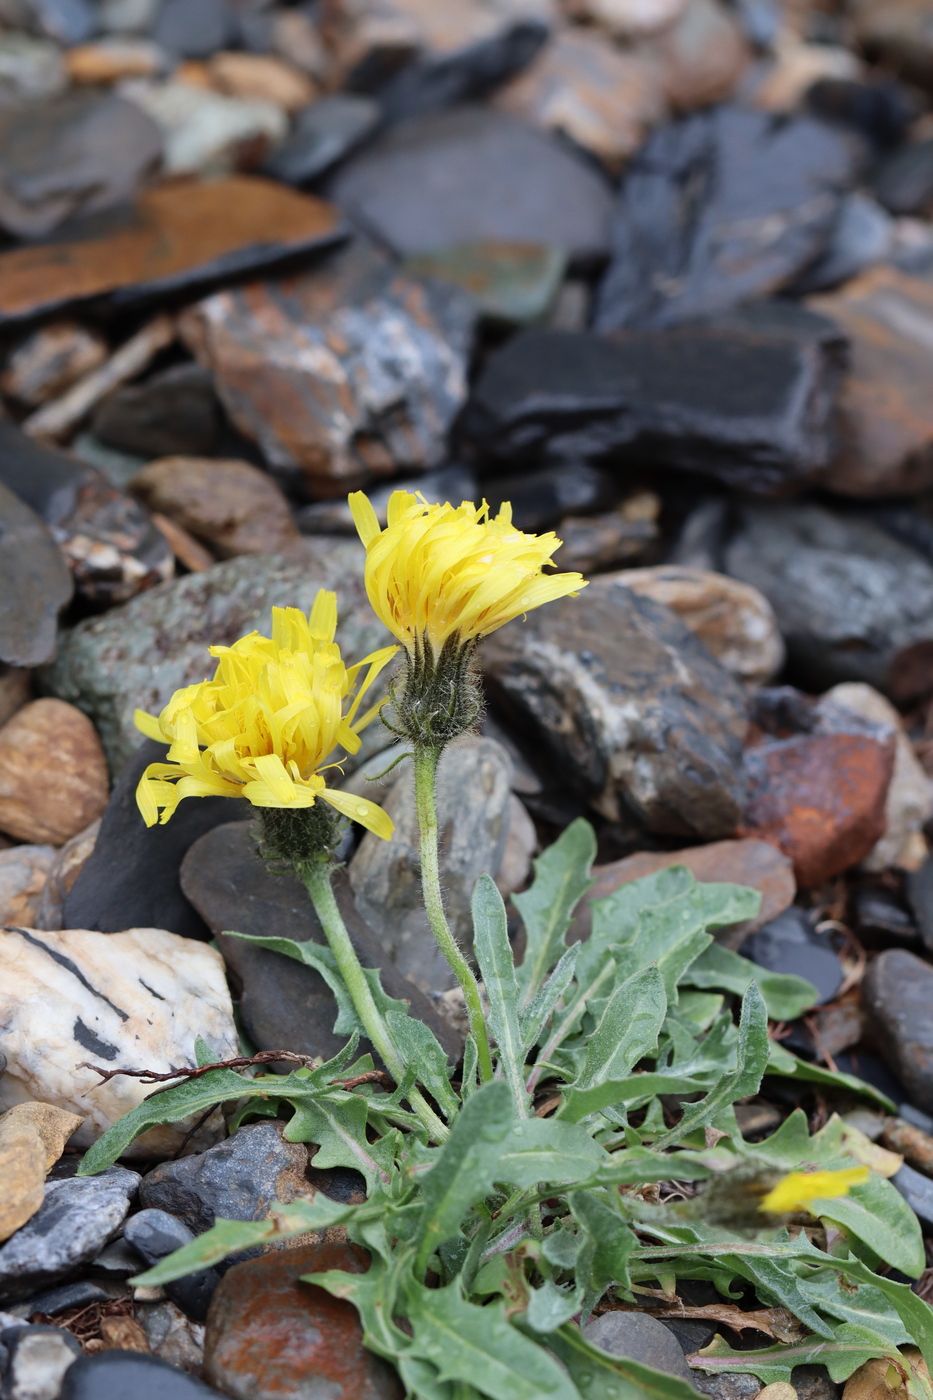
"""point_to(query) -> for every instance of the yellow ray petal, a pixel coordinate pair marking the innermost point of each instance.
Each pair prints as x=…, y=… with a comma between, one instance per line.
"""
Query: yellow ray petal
x=362, y=810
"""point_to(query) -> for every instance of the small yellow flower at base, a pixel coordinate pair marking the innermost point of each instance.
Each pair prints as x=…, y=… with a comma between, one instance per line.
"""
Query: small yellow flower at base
x=798, y=1190
x=442, y=571
x=266, y=722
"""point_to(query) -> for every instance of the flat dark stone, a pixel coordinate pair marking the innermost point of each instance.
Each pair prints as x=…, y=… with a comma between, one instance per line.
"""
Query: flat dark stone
x=284, y=1005
x=917, y=1191
x=790, y=944
x=749, y=399
x=919, y=890
x=724, y=206
x=904, y=182
x=70, y=1295
x=34, y=584
x=897, y=994
x=540, y=499
x=131, y=879
x=471, y=174
x=321, y=135
x=639, y=1337
x=174, y=413
x=154, y=1234
x=117, y=1375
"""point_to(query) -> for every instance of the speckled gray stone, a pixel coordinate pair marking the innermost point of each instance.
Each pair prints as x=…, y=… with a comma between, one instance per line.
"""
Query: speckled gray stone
x=139, y=654
x=74, y=1222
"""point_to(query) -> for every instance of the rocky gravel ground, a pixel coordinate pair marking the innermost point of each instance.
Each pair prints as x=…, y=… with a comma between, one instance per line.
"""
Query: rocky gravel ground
x=658, y=272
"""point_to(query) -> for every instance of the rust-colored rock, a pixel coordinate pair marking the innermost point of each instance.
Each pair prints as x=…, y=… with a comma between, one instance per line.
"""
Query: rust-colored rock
x=271, y=1337
x=600, y=97
x=234, y=507
x=820, y=798
x=911, y=1142
x=53, y=774
x=178, y=235
x=887, y=398
x=746, y=862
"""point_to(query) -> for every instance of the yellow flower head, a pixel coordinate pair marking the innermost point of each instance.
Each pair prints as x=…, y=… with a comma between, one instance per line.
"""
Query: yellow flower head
x=798, y=1190
x=266, y=722
x=451, y=571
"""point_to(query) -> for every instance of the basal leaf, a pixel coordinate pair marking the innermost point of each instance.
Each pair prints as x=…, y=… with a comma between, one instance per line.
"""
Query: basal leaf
x=745, y=1079
x=628, y=1030
x=562, y=878
x=842, y=1354
x=877, y=1214
x=782, y=1062
x=861, y=1304
x=337, y=1123
x=479, y=1346
x=598, y=1375
x=534, y=1017
x=546, y=1150
x=494, y=956
x=550, y=1306
x=605, y=1248
x=718, y=968
x=420, y=1049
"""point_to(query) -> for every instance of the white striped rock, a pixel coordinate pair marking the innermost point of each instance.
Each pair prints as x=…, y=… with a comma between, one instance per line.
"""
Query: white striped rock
x=133, y=1000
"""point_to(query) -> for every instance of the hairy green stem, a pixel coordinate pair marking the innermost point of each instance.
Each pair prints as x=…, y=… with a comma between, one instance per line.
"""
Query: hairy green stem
x=426, y=760
x=315, y=876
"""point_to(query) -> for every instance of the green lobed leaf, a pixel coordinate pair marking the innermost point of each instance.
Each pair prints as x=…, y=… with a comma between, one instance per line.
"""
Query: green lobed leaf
x=782, y=1062
x=497, y=968
x=550, y=1306
x=877, y=1214
x=719, y=968
x=627, y=1031
x=479, y=1346
x=745, y=1079
x=841, y=1354
x=562, y=878
x=534, y=1017
x=421, y=1050
x=606, y=1245
x=337, y=1123
x=546, y=1150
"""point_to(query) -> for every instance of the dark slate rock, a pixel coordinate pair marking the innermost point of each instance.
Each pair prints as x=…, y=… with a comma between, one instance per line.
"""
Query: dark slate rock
x=814, y=1383
x=917, y=1191
x=322, y=134
x=727, y=205
x=639, y=1337
x=70, y=1295
x=749, y=398
x=470, y=174
x=240, y=1179
x=118, y=1375
x=897, y=994
x=919, y=890
x=920, y=1120
x=154, y=1234
x=864, y=236
x=35, y=584
x=880, y=110
x=72, y=156
x=74, y=1222
x=112, y=546
x=904, y=182
x=852, y=603
x=175, y=413
x=633, y=710
x=436, y=82
x=540, y=499
x=791, y=944
x=284, y=1005
x=878, y=911
x=131, y=879
x=691, y=1335
x=864, y=1065
x=195, y=28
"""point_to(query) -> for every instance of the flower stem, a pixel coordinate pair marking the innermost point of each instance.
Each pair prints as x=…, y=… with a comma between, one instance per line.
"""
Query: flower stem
x=426, y=760
x=315, y=876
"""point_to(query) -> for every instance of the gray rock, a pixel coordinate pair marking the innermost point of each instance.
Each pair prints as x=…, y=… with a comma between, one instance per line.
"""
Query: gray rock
x=814, y=1383
x=723, y=207
x=669, y=395
x=155, y=1234
x=472, y=174
x=730, y=1385
x=115, y=1375
x=173, y=1336
x=917, y=1191
x=635, y=712
x=38, y=1359
x=284, y=1006
x=140, y=654
x=175, y=412
x=74, y=1222
x=919, y=890
x=239, y=1179
x=34, y=584
x=322, y=134
x=195, y=28
x=75, y=155
x=865, y=235
x=897, y=994
x=386, y=875
x=639, y=1337
x=53, y=1301
x=66, y=21
x=29, y=69
x=852, y=603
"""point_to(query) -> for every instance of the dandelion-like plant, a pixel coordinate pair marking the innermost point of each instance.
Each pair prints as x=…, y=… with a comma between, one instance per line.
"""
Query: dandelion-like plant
x=441, y=578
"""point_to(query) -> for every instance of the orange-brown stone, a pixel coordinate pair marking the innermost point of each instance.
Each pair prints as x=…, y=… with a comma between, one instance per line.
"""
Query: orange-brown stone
x=271, y=1336
x=53, y=773
x=820, y=798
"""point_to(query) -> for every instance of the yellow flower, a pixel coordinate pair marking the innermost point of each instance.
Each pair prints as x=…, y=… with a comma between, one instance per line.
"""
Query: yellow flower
x=798, y=1190
x=266, y=722
x=451, y=571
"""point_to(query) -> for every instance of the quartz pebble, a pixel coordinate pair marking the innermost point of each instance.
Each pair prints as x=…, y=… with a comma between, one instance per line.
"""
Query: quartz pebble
x=133, y=999
x=39, y=1357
